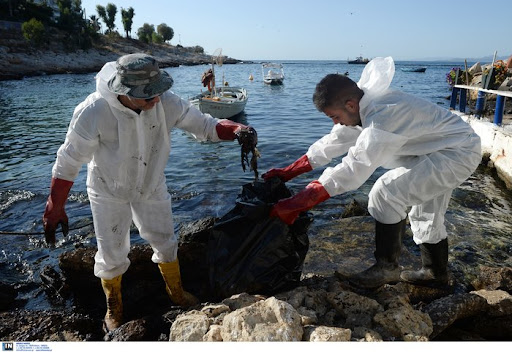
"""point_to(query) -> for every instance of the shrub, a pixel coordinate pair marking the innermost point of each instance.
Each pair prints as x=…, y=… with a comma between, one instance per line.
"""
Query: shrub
x=33, y=31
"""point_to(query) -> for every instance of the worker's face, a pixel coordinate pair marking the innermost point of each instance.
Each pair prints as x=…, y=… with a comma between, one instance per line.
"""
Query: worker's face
x=143, y=104
x=347, y=115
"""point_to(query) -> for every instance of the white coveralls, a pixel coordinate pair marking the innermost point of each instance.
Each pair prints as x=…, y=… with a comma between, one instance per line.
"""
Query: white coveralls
x=429, y=150
x=126, y=154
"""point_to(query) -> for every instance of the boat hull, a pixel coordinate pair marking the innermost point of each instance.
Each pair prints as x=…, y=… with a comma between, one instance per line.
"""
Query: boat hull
x=228, y=102
x=273, y=81
x=419, y=69
x=358, y=62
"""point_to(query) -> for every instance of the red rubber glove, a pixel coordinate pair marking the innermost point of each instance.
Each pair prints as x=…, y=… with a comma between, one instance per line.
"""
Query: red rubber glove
x=288, y=209
x=228, y=130
x=54, y=213
x=295, y=169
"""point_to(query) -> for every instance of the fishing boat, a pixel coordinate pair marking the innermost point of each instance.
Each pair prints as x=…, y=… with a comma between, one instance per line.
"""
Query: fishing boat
x=273, y=73
x=221, y=102
x=359, y=60
x=226, y=102
x=414, y=69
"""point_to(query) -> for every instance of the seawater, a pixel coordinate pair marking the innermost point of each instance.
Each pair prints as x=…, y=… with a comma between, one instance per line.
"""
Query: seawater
x=205, y=178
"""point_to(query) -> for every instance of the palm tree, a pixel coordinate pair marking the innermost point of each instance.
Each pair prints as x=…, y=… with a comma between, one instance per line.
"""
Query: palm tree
x=95, y=23
x=127, y=19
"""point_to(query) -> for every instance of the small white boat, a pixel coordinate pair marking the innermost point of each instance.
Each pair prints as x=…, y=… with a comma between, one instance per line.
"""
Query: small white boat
x=221, y=102
x=226, y=102
x=273, y=73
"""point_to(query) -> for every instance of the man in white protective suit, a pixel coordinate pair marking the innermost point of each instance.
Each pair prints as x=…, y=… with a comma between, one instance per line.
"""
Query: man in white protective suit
x=428, y=150
x=122, y=131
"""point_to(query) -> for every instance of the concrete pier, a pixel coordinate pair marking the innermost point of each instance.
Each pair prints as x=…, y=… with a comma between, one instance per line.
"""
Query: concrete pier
x=496, y=143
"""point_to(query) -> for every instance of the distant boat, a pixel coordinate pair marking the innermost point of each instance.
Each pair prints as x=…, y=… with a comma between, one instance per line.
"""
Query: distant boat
x=359, y=60
x=414, y=69
x=273, y=73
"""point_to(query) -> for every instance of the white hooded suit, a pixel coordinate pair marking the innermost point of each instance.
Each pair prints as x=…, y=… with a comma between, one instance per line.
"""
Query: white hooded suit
x=429, y=150
x=126, y=155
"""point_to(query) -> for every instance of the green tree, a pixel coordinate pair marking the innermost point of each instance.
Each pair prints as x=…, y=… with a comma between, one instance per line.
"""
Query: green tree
x=95, y=24
x=102, y=13
x=145, y=33
x=157, y=38
x=111, y=15
x=71, y=16
x=165, y=31
x=33, y=31
x=127, y=19
x=108, y=15
x=198, y=49
x=72, y=20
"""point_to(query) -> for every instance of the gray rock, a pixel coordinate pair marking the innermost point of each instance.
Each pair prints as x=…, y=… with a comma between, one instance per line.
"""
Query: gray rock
x=268, y=320
x=190, y=326
x=326, y=334
x=405, y=323
x=445, y=311
x=494, y=279
x=500, y=302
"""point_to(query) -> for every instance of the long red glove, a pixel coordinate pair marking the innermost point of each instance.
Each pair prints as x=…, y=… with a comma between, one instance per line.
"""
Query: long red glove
x=295, y=169
x=229, y=130
x=54, y=213
x=288, y=209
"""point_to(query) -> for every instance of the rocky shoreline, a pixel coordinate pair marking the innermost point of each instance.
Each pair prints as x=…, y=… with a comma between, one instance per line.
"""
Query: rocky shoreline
x=19, y=60
x=318, y=308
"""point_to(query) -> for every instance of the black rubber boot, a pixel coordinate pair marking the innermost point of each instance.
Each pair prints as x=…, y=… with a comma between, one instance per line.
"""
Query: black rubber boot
x=388, y=245
x=434, y=272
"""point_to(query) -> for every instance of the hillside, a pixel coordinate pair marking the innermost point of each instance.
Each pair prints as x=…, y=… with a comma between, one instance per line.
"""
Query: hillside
x=20, y=60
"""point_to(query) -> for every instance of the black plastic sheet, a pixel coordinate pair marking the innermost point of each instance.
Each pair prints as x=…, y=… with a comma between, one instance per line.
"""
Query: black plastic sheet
x=248, y=251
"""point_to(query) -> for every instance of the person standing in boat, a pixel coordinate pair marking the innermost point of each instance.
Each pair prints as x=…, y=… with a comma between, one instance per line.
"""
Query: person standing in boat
x=428, y=150
x=122, y=131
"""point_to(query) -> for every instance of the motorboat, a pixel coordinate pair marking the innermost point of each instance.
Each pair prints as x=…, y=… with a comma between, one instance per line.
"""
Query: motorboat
x=273, y=73
x=226, y=102
x=414, y=69
x=221, y=102
x=359, y=60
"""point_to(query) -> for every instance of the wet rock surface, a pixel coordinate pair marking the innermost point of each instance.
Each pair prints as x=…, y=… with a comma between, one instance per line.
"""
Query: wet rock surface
x=320, y=308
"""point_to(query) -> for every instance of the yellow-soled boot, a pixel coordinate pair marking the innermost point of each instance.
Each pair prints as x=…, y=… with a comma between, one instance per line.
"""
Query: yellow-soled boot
x=114, y=316
x=172, y=277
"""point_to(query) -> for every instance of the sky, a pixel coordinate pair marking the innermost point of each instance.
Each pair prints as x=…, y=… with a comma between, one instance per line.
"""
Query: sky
x=328, y=29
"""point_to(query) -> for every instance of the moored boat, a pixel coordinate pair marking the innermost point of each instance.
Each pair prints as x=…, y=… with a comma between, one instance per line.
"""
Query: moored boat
x=273, y=73
x=359, y=60
x=221, y=102
x=225, y=103
x=414, y=69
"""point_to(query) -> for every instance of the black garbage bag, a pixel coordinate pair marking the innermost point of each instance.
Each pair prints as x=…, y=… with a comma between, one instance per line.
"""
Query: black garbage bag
x=248, y=251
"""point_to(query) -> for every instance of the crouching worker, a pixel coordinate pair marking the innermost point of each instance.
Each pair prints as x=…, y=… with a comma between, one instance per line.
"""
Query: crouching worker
x=428, y=150
x=122, y=131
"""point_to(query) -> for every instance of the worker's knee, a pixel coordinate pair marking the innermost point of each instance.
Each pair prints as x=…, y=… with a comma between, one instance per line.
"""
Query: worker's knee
x=385, y=207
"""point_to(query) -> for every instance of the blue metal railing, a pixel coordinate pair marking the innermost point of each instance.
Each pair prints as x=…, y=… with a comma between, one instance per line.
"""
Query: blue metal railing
x=460, y=92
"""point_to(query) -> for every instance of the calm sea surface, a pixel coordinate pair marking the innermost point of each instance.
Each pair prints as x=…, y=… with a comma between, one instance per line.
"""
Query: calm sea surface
x=205, y=178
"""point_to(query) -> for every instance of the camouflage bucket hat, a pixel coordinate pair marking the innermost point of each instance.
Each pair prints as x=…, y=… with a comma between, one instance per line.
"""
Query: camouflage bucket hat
x=139, y=76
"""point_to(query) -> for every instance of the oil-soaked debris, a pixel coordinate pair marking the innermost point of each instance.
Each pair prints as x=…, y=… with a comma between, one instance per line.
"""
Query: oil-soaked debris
x=248, y=139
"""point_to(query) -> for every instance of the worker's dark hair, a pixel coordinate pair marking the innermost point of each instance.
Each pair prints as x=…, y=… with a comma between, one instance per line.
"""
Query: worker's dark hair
x=334, y=90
